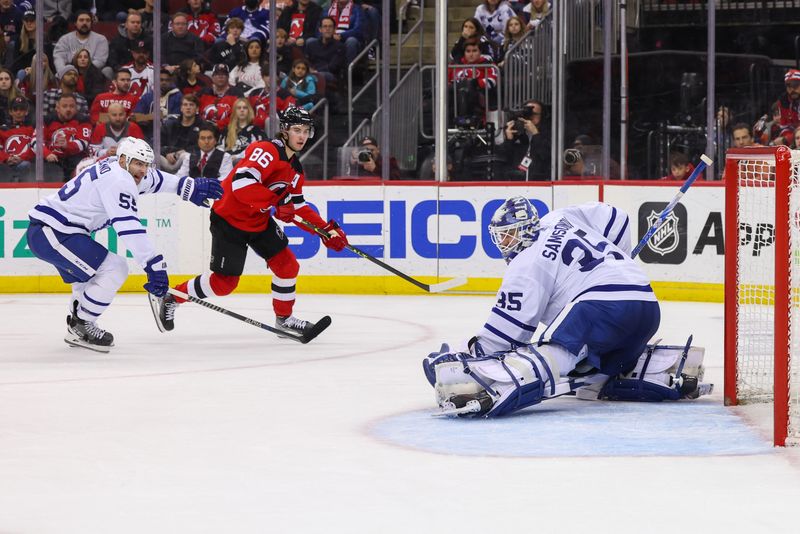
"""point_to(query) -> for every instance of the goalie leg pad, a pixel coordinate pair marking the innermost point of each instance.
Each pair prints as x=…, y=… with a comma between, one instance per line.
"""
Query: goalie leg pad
x=631, y=389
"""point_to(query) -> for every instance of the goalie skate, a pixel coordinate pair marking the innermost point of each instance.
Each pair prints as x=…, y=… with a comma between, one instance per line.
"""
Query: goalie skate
x=86, y=334
x=163, y=311
x=473, y=405
x=299, y=329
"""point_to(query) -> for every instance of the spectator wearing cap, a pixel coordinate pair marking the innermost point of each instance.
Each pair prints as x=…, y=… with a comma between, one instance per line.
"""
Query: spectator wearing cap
x=91, y=82
x=130, y=35
x=119, y=94
x=141, y=69
x=24, y=46
x=66, y=139
x=8, y=92
x=107, y=135
x=82, y=37
x=366, y=160
x=16, y=140
x=179, y=43
x=201, y=21
x=170, y=103
x=67, y=78
x=789, y=104
x=229, y=50
x=10, y=20
x=216, y=102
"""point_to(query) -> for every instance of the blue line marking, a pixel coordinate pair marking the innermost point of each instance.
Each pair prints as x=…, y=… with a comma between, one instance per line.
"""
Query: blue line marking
x=568, y=427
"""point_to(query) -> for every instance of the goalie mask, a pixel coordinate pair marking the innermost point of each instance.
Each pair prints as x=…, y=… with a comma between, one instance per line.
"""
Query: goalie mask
x=514, y=227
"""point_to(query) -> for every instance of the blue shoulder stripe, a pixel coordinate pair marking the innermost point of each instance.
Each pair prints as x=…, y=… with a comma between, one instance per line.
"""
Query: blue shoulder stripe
x=622, y=232
x=610, y=222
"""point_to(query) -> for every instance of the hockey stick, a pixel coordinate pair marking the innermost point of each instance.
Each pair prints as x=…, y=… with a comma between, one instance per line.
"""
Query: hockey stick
x=321, y=325
x=705, y=161
x=430, y=288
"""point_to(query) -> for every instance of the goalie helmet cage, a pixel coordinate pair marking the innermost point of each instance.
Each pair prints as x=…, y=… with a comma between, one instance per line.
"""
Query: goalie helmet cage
x=762, y=284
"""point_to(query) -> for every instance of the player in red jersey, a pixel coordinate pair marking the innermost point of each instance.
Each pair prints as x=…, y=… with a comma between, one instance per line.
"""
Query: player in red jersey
x=266, y=184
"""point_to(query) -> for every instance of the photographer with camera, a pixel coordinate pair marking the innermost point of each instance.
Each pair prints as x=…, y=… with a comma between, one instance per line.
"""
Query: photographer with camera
x=526, y=144
x=366, y=160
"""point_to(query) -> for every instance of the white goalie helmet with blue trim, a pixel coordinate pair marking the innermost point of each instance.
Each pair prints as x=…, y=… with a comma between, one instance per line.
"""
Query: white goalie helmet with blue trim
x=514, y=227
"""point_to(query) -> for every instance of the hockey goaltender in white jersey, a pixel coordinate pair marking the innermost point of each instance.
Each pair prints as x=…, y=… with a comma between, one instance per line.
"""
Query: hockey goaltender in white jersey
x=572, y=272
x=105, y=194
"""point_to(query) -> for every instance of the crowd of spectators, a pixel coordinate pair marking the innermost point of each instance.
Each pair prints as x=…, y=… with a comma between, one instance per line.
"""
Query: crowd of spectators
x=98, y=79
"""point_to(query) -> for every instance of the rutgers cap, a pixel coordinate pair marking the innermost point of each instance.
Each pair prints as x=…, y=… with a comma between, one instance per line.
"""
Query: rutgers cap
x=793, y=75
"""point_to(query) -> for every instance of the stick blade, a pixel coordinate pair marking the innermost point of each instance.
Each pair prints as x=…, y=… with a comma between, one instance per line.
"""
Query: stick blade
x=319, y=326
x=449, y=284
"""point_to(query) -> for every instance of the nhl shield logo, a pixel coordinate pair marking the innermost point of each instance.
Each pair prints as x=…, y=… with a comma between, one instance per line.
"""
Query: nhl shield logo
x=669, y=244
x=667, y=238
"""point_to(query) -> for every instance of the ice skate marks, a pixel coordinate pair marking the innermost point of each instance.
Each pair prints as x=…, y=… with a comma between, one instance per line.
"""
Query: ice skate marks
x=564, y=429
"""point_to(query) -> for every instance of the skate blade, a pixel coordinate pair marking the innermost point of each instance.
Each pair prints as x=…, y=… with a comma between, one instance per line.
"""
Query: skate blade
x=155, y=306
x=77, y=342
x=448, y=409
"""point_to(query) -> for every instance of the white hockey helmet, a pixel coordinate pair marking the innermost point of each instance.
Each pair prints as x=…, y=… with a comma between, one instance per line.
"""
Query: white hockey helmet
x=514, y=226
x=133, y=148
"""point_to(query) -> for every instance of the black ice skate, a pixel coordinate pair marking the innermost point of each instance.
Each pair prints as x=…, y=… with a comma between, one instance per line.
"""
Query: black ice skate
x=163, y=311
x=299, y=329
x=86, y=334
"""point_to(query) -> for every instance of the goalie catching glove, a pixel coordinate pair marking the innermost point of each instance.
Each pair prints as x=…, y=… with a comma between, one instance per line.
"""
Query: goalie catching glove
x=199, y=190
x=336, y=239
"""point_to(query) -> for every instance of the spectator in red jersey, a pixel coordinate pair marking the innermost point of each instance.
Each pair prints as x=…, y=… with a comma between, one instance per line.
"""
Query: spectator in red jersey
x=67, y=85
x=216, y=102
x=16, y=139
x=229, y=50
x=141, y=69
x=66, y=139
x=202, y=22
x=191, y=78
x=300, y=21
x=91, y=82
x=260, y=100
x=766, y=129
x=107, y=135
x=472, y=31
x=121, y=94
x=472, y=84
x=789, y=104
x=169, y=103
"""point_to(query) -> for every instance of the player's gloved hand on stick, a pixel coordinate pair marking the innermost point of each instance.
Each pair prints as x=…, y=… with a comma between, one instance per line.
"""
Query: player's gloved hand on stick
x=285, y=209
x=198, y=190
x=157, y=278
x=336, y=239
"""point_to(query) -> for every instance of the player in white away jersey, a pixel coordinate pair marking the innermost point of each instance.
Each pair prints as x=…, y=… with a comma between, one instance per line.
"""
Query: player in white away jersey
x=571, y=271
x=106, y=194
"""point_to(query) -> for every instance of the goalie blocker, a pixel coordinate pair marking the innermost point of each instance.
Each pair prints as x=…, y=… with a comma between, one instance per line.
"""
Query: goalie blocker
x=473, y=384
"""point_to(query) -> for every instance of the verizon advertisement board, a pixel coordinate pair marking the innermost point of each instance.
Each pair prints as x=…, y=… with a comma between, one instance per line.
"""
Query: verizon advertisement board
x=423, y=229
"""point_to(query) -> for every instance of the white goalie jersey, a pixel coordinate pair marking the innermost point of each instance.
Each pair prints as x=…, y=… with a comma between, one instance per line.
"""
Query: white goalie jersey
x=105, y=195
x=581, y=253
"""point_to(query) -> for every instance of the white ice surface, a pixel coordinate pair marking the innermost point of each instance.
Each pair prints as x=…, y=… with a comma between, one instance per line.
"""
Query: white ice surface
x=220, y=427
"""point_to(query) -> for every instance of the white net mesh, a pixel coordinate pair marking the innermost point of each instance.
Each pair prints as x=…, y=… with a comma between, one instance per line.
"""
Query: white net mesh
x=756, y=285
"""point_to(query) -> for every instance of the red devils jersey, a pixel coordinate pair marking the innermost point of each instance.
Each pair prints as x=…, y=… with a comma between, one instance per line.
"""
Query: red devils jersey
x=75, y=132
x=260, y=102
x=263, y=178
x=214, y=108
x=16, y=140
x=296, y=27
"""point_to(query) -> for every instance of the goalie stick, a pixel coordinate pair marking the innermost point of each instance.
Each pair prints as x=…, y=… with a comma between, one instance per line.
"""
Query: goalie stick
x=705, y=161
x=321, y=325
x=430, y=288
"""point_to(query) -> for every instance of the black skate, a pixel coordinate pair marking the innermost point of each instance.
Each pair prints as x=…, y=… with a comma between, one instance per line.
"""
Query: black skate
x=467, y=405
x=305, y=331
x=86, y=334
x=163, y=311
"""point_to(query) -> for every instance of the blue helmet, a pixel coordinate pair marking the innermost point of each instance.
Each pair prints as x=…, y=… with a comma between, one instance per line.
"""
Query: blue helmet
x=514, y=227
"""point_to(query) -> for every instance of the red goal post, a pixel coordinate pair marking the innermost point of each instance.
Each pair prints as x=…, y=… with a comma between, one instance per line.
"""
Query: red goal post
x=762, y=283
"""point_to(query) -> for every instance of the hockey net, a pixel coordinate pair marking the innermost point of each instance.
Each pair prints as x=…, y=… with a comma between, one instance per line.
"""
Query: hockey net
x=762, y=284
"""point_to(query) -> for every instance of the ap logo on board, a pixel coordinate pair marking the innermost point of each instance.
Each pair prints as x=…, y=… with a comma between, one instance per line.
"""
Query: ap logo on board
x=668, y=245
